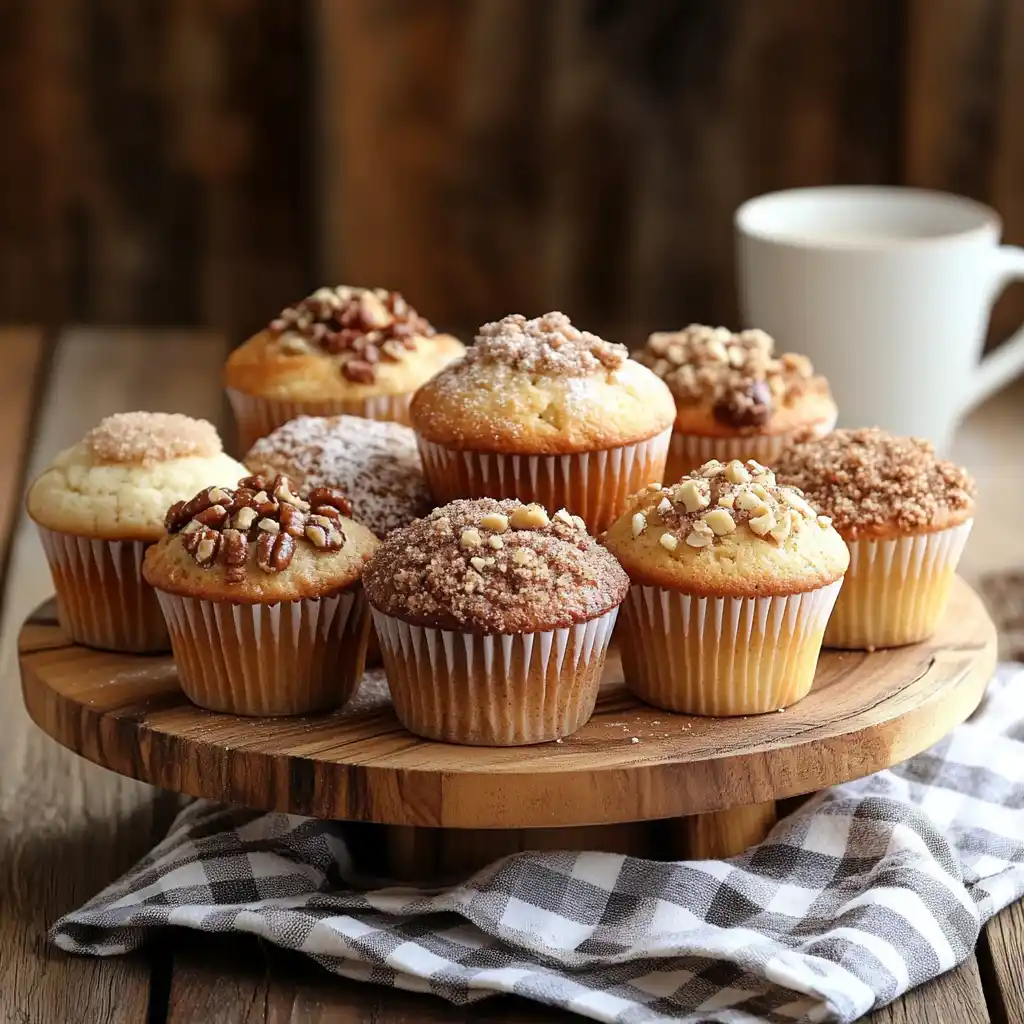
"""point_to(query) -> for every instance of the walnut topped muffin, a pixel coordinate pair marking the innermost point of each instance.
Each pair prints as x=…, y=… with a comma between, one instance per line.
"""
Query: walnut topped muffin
x=906, y=515
x=540, y=410
x=377, y=462
x=351, y=350
x=735, y=397
x=494, y=619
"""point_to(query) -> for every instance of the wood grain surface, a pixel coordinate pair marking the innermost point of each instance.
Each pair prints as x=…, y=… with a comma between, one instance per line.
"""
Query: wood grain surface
x=630, y=762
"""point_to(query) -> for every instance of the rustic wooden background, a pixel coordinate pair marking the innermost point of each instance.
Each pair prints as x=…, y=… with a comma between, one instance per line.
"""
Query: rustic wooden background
x=202, y=162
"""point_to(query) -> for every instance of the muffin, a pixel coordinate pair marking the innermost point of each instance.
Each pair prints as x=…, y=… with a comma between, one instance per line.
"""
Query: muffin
x=494, y=619
x=733, y=579
x=544, y=412
x=360, y=351
x=102, y=503
x=735, y=399
x=260, y=586
x=376, y=463
x=905, y=515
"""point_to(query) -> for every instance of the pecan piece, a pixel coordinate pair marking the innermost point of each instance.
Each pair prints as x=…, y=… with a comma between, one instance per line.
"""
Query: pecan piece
x=359, y=371
x=200, y=503
x=207, y=543
x=274, y=551
x=234, y=547
x=331, y=497
x=284, y=494
x=215, y=516
x=325, y=533
x=252, y=483
x=174, y=520
x=293, y=520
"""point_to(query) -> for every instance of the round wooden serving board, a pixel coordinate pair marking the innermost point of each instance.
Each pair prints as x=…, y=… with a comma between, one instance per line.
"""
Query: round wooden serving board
x=630, y=763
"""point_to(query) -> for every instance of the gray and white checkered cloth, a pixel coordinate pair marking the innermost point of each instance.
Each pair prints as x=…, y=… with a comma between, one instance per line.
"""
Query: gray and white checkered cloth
x=869, y=889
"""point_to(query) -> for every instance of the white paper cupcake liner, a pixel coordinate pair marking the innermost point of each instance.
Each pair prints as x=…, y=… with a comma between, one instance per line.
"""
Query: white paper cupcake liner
x=498, y=690
x=257, y=416
x=290, y=658
x=688, y=451
x=102, y=599
x=722, y=655
x=895, y=590
x=593, y=485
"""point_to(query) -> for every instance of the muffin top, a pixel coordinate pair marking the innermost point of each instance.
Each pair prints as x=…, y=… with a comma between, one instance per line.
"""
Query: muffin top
x=873, y=484
x=375, y=462
x=260, y=542
x=341, y=342
x=117, y=482
x=727, y=531
x=726, y=383
x=488, y=566
x=542, y=387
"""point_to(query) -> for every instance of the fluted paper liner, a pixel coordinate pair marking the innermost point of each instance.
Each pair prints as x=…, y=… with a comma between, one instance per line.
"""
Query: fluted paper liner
x=722, y=655
x=895, y=590
x=257, y=416
x=289, y=658
x=498, y=690
x=102, y=599
x=688, y=451
x=593, y=485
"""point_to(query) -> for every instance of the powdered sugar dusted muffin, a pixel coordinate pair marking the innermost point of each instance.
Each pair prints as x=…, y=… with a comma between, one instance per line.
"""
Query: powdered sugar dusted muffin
x=361, y=351
x=102, y=502
x=543, y=411
x=374, y=462
x=735, y=397
x=259, y=584
x=905, y=515
x=733, y=578
x=531, y=599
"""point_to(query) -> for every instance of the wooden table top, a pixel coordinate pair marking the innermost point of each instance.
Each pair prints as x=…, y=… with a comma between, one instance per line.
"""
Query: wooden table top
x=67, y=827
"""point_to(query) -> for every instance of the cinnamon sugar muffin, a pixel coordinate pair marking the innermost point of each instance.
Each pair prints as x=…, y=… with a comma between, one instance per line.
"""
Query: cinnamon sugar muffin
x=735, y=398
x=494, y=619
x=542, y=411
x=260, y=588
x=733, y=579
x=905, y=515
x=374, y=462
x=350, y=350
x=101, y=504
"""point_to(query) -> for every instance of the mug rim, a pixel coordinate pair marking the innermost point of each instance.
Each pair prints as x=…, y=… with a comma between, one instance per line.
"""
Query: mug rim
x=986, y=218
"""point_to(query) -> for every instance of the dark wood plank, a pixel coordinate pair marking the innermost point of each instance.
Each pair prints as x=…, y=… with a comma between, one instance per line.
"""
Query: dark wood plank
x=1003, y=964
x=69, y=827
x=955, y=997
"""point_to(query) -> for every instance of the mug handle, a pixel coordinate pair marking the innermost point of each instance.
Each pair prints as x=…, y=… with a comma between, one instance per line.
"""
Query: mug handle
x=1002, y=365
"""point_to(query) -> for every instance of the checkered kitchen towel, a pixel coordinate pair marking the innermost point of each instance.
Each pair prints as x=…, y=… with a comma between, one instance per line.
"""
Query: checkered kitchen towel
x=869, y=889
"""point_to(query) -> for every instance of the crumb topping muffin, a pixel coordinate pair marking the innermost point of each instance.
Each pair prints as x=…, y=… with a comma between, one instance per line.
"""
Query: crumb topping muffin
x=341, y=342
x=727, y=383
x=489, y=566
x=541, y=386
x=727, y=530
x=259, y=542
x=874, y=484
x=117, y=482
x=375, y=461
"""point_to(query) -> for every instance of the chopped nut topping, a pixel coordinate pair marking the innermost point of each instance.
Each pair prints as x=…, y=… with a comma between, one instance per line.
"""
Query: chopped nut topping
x=470, y=538
x=639, y=524
x=495, y=521
x=727, y=500
x=665, y=505
x=694, y=494
x=762, y=524
x=529, y=517
x=269, y=526
x=720, y=522
x=737, y=473
x=562, y=515
x=668, y=542
x=478, y=563
x=495, y=542
x=522, y=556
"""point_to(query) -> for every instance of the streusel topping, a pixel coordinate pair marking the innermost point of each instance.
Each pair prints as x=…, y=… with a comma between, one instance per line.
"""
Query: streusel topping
x=261, y=521
x=718, y=499
x=738, y=374
x=360, y=326
x=491, y=566
x=547, y=344
x=376, y=461
x=146, y=438
x=867, y=478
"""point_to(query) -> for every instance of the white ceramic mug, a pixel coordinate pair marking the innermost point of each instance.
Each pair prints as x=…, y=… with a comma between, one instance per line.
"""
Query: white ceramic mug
x=888, y=290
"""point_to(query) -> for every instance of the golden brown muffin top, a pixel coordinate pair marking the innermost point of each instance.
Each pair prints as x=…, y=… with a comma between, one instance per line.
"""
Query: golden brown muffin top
x=145, y=438
x=876, y=484
x=737, y=375
x=488, y=566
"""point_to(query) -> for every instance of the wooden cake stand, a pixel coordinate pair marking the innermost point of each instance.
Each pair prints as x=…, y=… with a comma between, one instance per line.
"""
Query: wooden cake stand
x=633, y=780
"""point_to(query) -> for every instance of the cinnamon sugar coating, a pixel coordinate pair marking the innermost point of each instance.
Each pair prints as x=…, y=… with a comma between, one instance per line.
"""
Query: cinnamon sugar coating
x=873, y=483
x=145, y=438
x=488, y=566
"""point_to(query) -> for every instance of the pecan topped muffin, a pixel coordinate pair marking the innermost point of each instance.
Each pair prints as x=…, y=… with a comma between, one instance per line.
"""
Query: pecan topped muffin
x=540, y=410
x=260, y=588
x=735, y=396
x=351, y=350
x=494, y=618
